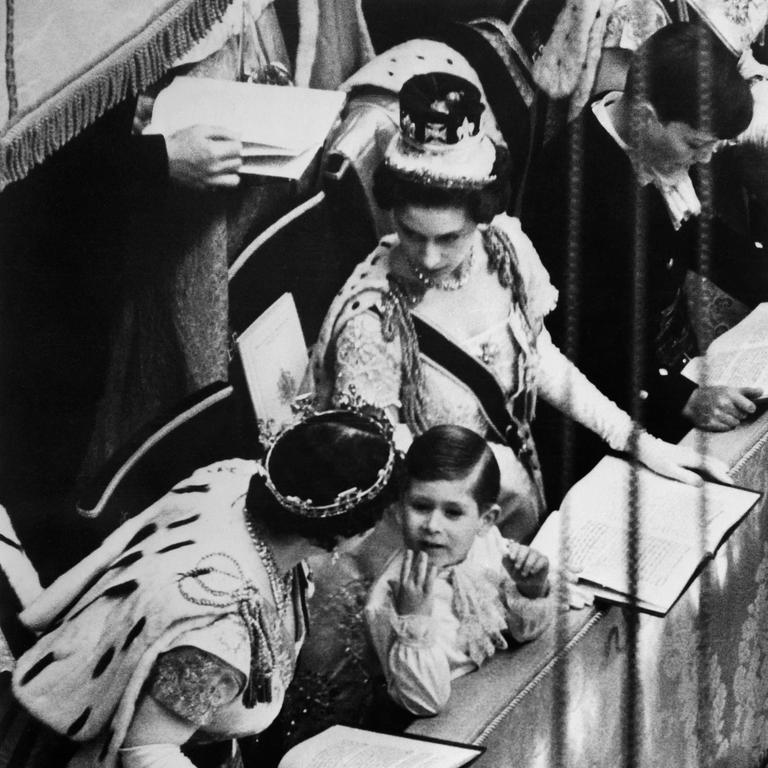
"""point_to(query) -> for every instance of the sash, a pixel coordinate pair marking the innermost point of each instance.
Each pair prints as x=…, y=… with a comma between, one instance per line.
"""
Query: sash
x=473, y=374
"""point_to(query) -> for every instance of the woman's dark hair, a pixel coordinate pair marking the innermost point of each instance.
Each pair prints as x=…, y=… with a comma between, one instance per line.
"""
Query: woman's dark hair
x=450, y=452
x=391, y=191
x=668, y=72
x=317, y=460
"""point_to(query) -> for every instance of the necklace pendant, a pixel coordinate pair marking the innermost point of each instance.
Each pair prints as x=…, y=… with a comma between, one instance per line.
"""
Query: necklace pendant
x=489, y=352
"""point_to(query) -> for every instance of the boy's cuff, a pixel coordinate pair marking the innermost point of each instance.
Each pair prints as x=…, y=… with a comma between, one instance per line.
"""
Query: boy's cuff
x=413, y=629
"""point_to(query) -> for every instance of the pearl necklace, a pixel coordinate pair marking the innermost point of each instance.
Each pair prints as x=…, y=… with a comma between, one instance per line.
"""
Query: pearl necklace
x=281, y=587
x=456, y=280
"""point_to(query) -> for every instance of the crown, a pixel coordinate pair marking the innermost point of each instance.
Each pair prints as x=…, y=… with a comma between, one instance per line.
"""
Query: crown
x=440, y=142
x=351, y=406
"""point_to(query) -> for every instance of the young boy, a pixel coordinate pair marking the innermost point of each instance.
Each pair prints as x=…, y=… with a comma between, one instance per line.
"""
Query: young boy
x=447, y=602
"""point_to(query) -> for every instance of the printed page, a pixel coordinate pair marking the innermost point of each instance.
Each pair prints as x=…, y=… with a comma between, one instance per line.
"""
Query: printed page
x=274, y=357
x=731, y=368
x=597, y=551
x=344, y=747
x=284, y=117
x=750, y=333
x=737, y=358
x=678, y=525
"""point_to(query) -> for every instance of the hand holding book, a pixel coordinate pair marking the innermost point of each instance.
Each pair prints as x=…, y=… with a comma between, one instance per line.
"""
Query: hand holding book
x=279, y=128
x=720, y=408
x=737, y=358
x=203, y=156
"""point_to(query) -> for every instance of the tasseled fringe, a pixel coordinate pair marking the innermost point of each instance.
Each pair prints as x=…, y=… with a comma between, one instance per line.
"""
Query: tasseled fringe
x=138, y=64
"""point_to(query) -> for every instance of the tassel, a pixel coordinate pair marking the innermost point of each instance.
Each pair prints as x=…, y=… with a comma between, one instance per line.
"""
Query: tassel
x=40, y=132
x=258, y=689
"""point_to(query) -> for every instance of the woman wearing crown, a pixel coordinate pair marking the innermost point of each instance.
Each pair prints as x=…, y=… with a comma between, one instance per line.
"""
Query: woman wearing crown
x=183, y=628
x=444, y=321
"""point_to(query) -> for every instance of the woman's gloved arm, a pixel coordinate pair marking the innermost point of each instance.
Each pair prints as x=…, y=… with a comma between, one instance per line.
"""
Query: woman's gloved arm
x=564, y=386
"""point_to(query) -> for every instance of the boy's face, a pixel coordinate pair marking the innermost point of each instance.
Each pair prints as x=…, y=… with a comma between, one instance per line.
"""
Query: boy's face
x=442, y=518
x=674, y=146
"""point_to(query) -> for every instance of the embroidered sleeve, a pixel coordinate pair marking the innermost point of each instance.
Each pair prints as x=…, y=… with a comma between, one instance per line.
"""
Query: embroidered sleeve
x=365, y=360
x=193, y=684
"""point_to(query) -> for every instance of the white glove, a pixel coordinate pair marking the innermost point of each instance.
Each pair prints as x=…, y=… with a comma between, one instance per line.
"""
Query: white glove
x=676, y=461
x=154, y=756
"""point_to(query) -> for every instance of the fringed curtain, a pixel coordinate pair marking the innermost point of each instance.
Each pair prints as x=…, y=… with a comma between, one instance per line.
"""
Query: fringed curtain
x=65, y=64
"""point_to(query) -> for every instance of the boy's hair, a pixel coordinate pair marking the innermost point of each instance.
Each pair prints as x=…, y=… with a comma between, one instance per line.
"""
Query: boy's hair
x=450, y=452
x=668, y=71
x=391, y=191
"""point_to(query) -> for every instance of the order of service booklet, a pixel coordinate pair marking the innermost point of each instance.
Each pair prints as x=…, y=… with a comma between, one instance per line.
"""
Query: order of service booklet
x=274, y=357
x=672, y=544
x=343, y=747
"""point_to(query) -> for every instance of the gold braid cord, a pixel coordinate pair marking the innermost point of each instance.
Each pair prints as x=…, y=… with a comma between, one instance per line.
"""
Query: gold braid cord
x=397, y=323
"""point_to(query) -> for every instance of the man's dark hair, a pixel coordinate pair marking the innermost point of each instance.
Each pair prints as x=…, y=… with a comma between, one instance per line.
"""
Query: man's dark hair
x=670, y=70
x=391, y=191
x=451, y=452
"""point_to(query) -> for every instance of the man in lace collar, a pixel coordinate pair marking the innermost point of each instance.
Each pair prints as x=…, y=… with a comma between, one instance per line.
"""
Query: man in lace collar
x=620, y=196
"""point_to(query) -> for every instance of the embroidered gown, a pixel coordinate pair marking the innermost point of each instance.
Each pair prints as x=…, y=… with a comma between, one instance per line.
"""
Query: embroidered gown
x=362, y=345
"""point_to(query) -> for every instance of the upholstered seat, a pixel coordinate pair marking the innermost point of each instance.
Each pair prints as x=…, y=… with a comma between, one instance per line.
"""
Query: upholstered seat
x=216, y=423
x=309, y=252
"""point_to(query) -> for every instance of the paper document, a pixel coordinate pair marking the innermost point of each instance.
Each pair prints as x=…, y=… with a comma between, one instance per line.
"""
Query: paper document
x=343, y=747
x=277, y=125
x=285, y=166
x=737, y=358
x=678, y=527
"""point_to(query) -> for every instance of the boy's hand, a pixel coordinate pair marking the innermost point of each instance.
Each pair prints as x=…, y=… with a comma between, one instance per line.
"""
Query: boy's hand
x=529, y=569
x=413, y=594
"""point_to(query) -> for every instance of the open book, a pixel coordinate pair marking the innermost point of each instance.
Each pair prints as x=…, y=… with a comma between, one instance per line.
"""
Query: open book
x=274, y=357
x=281, y=127
x=342, y=747
x=737, y=358
x=680, y=526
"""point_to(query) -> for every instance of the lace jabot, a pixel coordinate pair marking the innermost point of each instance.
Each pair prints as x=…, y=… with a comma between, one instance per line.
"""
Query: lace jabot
x=676, y=189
